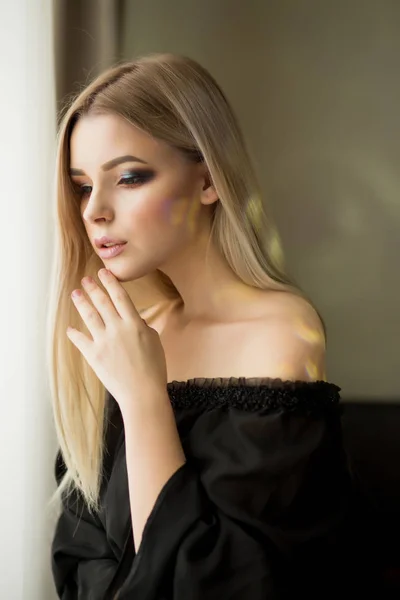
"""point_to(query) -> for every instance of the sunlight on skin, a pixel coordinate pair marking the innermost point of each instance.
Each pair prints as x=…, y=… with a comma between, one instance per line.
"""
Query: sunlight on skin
x=315, y=338
x=194, y=210
x=177, y=211
x=226, y=291
x=308, y=334
x=312, y=370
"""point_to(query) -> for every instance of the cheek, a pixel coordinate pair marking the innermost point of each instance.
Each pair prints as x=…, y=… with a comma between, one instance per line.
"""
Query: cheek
x=179, y=212
x=183, y=214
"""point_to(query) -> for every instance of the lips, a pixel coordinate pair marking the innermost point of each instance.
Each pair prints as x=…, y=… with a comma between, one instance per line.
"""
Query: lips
x=109, y=245
x=100, y=242
x=111, y=251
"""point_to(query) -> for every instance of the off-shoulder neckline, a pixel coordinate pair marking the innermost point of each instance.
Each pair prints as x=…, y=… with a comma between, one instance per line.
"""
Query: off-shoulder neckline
x=269, y=382
x=253, y=394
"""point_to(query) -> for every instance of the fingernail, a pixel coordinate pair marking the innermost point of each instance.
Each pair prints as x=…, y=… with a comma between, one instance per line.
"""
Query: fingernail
x=87, y=280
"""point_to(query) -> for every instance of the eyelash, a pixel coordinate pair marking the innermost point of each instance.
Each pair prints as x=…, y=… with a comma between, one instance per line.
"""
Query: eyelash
x=142, y=177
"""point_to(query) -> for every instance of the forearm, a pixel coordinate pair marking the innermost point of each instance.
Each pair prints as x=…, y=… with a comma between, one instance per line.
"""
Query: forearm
x=153, y=454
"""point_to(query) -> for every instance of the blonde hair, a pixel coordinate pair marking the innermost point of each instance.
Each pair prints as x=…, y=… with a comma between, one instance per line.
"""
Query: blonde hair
x=174, y=99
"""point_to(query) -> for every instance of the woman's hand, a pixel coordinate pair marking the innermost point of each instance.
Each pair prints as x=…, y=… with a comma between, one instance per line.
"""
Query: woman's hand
x=125, y=353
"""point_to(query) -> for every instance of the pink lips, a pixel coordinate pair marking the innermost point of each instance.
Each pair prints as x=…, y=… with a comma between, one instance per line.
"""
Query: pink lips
x=107, y=240
x=111, y=251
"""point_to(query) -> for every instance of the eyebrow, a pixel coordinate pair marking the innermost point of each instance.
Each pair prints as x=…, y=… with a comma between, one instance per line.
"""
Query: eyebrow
x=111, y=164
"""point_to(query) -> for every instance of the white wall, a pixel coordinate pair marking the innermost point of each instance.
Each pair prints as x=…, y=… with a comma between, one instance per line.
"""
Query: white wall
x=27, y=444
x=317, y=89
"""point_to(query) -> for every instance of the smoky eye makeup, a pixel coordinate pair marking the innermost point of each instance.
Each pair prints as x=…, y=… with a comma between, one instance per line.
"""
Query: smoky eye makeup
x=133, y=176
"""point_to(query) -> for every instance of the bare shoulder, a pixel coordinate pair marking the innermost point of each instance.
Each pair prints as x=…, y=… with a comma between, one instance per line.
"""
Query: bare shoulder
x=289, y=339
x=289, y=308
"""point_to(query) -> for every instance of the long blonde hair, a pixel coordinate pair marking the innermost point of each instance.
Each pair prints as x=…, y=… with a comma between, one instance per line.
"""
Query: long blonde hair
x=174, y=99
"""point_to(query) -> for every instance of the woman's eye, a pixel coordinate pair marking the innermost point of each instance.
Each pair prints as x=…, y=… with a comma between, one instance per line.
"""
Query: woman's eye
x=83, y=190
x=134, y=178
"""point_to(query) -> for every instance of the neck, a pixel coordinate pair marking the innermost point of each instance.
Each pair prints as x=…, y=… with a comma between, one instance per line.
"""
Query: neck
x=206, y=284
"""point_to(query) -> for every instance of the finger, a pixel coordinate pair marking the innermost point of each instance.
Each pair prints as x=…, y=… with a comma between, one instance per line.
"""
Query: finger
x=120, y=297
x=80, y=340
x=88, y=312
x=101, y=301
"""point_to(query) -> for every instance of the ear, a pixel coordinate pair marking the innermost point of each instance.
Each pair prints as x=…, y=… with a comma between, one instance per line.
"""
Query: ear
x=208, y=194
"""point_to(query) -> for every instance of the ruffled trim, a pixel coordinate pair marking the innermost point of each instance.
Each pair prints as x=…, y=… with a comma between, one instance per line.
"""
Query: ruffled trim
x=253, y=394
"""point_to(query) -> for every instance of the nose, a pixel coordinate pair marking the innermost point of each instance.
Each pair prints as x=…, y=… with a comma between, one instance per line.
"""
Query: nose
x=95, y=209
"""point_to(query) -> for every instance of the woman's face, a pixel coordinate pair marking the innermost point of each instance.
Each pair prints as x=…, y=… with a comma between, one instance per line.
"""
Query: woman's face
x=136, y=189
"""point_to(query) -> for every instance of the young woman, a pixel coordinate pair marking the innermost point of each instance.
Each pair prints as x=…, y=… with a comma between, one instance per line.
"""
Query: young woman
x=200, y=444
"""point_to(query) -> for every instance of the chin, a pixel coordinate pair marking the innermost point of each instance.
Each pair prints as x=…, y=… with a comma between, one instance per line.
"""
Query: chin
x=124, y=274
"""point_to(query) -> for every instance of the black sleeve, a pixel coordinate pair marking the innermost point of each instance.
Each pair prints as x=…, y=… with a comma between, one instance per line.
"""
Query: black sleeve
x=259, y=512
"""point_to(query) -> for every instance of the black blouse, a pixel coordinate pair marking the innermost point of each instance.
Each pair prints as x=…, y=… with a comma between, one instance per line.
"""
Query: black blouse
x=265, y=506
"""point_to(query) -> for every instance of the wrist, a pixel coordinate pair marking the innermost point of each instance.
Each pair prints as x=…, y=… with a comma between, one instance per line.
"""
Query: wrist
x=150, y=427
x=149, y=401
